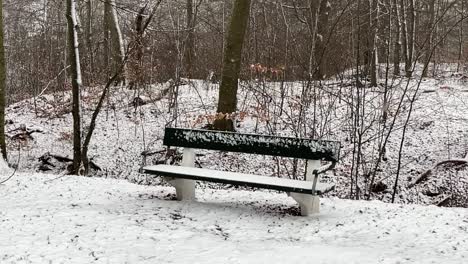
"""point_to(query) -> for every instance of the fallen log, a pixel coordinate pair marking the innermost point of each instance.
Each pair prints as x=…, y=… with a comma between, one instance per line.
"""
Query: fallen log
x=428, y=173
x=23, y=133
x=47, y=162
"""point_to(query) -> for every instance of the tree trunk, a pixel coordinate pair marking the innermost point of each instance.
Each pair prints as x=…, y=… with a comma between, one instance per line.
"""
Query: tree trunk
x=227, y=101
x=460, y=35
x=114, y=37
x=89, y=34
x=75, y=73
x=404, y=34
x=189, y=45
x=322, y=31
x=411, y=31
x=2, y=87
x=374, y=19
x=397, y=47
x=428, y=45
x=312, y=23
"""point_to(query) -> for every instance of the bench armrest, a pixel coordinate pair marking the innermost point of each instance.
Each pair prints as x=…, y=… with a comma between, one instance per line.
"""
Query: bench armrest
x=321, y=170
x=324, y=168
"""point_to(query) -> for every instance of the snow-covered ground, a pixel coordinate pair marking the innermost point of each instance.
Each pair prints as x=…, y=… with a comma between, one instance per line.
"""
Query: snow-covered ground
x=70, y=219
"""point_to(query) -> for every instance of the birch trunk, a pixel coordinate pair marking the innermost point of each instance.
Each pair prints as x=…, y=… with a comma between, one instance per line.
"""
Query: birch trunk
x=75, y=73
x=114, y=40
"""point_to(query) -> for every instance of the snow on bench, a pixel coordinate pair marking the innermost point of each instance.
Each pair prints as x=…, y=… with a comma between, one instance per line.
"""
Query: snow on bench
x=274, y=183
x=304, y=192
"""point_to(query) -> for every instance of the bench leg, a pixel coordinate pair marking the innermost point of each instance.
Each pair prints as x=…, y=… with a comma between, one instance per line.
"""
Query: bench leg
x=310, y=204
x=185, y=189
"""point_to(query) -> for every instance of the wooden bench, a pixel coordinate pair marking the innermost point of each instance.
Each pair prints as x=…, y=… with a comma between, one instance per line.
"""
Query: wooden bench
x=306, y=193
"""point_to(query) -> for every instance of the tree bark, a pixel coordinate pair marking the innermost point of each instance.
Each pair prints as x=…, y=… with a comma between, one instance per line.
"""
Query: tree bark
x=189, y=45
x=114, y=40
x=227, y=101
x=2, y=87
x=89, y=34
x=397, y=47
x=312, y=23
x=75, y=73
x=428, y=46
x=374, y=19
x=322, y=31
x=404, y=34
x=411, y=31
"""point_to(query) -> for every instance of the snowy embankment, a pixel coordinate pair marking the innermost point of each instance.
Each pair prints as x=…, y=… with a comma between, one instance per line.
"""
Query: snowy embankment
x=437, y=132
x=69, y=219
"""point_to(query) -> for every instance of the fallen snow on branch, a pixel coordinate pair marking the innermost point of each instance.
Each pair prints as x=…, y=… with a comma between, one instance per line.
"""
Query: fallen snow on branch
x=73, y=219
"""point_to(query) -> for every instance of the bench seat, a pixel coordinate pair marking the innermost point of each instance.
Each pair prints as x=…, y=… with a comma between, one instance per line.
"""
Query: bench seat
x=241, y=179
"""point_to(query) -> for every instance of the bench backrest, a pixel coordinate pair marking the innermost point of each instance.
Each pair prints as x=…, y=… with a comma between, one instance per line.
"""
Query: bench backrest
x=254, y=144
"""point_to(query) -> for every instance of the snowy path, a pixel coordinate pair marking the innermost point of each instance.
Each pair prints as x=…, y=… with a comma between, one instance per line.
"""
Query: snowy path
x=91, y=220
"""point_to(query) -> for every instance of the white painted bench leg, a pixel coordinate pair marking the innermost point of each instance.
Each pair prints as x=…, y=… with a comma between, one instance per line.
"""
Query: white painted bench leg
x=310, y=204
x=185, y=189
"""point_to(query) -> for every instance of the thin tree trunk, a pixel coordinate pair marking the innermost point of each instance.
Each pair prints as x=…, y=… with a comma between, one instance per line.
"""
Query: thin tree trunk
x=312, y=22
x=2, y=87
x=397, y=47
x=429, y=36
x=75, y=72
x=404, y=33
x=89, y=33
x=114, y=37
x=411, y=31
x=189, y=45
x=460, y=35
x=374, y=17
x=322, y=30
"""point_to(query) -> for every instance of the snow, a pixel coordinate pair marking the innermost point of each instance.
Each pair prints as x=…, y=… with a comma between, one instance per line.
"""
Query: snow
x=308, y=147
x=64, y=219
x=70, y=219
x=4, y=169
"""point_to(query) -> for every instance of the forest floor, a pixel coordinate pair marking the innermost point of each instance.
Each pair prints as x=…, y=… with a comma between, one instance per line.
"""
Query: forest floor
x=69, y=219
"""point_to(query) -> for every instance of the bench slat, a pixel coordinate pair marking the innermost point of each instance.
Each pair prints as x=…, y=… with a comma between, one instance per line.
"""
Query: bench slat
x=234, y=178
x=302, y=148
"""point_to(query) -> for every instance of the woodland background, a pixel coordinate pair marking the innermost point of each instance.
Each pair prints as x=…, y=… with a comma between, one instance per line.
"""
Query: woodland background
x=364, y=63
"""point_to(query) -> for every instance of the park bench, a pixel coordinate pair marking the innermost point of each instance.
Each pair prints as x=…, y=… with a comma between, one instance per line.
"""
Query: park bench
x=306, y=192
